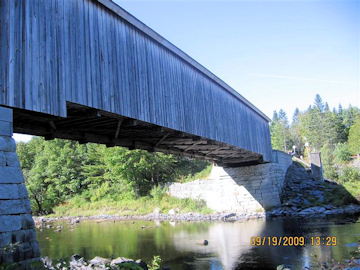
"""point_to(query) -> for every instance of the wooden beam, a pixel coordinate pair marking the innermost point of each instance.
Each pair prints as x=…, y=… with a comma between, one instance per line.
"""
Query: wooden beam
x=52, y=125
x=118, y=128
x=235, y=154
x=215, y=150
x=35, y=116
x=162, y=139
x=239, y=160
x=182, y=142
x=192, y=146
x=182, y=153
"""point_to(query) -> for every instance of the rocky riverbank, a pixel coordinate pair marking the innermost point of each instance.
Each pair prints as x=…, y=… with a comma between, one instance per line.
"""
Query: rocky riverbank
x=78, y=262
x=319, y=211
x=303, y=196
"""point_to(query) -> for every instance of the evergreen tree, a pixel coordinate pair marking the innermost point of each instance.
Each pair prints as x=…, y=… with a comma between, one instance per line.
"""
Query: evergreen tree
x=295, y=118
x=354, y=137
x=279, y=130
x=319, y=104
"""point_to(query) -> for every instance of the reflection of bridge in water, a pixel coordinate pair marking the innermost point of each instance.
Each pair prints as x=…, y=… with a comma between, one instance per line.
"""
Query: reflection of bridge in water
x=228, y=241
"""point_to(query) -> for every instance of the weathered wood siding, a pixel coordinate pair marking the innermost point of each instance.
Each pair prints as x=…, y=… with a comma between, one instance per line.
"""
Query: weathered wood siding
x=54, y=51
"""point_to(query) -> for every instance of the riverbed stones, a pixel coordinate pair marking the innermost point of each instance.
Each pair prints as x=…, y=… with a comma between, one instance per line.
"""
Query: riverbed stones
x=99, y=260
x=17, y=232
x=119, y=260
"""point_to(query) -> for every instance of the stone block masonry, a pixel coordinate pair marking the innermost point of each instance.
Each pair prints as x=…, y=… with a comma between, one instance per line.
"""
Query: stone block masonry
x=241, y=189
x=16, y=223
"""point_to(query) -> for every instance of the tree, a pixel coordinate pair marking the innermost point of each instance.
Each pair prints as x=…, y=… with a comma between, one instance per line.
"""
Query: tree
x=319, y=104
x=138, y=170
x=52, y=171
x=295, y=118
x=279, y=130
x=320, y=126
x=354, y=137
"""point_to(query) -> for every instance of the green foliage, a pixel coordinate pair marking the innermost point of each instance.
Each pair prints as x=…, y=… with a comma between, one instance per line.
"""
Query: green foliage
x=319, y=126
x=157, y=192
x=187, y=168
x=52, y=172
x=327, y=158
x=340, y=195
x=205, y=173
x=350, y=175
x=342, y=152
x=58, y=171
x=336, y=134
x=155, y=263
x=354, y=137
x=280, y=133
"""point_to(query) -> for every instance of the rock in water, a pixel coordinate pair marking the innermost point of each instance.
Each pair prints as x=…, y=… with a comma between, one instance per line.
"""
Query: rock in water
x=203, y=243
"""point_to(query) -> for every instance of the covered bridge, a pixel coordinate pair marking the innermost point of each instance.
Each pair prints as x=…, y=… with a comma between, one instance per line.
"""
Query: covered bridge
x=89, y=71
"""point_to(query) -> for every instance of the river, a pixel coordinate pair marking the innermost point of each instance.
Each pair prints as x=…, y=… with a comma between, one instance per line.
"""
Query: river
x=229, y=246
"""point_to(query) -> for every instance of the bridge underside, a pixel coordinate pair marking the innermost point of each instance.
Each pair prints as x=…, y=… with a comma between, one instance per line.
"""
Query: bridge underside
x=85, y=124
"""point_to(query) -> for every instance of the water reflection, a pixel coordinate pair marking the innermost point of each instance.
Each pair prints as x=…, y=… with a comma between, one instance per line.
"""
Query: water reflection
x=228, y=241
x=178, y=243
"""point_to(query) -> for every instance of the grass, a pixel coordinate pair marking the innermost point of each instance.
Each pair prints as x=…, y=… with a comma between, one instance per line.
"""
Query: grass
x=342, y=194
x=78, y=206
x=353, y=188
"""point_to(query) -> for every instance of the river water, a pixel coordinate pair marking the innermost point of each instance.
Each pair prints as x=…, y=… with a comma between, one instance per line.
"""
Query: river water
x=229, y=246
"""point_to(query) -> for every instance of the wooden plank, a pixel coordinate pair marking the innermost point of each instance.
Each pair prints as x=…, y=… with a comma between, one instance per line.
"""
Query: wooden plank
x=11, y=54
x=4, y=26
x=18, y=95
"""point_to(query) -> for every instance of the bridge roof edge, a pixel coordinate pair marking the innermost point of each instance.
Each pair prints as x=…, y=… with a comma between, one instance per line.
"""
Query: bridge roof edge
x=167, y=44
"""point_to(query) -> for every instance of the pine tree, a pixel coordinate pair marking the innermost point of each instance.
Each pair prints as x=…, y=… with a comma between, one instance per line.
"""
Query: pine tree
x=354, y=137
x=279, y=130
x=319, y=104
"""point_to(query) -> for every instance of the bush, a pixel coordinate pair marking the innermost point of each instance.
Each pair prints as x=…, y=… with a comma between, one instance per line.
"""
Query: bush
x=200, y=175
x=350, y=175
x=157, y=192
x=327, y=158
x=342, y=152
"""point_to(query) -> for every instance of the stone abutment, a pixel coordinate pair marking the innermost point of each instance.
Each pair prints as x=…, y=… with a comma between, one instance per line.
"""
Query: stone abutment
x=241, y=189
x=17, y=234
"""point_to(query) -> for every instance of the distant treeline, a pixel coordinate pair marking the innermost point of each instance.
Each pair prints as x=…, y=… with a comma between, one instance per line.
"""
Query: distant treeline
x=335, y=133
x=58, y=170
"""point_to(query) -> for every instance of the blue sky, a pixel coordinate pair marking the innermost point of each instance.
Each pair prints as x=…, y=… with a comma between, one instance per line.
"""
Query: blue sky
x=277, y=54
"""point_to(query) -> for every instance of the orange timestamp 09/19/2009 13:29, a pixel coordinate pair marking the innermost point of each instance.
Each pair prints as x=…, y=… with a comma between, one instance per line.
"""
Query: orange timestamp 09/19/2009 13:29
x=293, y=241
